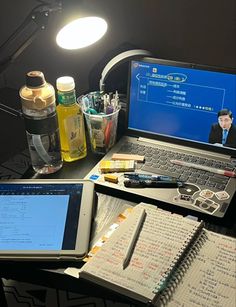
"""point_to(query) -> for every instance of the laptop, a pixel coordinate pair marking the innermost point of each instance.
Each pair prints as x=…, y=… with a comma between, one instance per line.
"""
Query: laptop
x=172, y=111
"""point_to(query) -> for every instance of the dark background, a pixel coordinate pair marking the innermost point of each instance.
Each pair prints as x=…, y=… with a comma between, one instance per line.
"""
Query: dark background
x=196, y=31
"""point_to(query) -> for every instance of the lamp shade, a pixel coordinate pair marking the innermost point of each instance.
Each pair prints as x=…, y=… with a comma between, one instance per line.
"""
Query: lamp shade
x=81, y=32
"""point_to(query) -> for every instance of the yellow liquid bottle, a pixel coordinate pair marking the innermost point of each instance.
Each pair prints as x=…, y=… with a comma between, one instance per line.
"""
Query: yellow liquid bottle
x=71, y=121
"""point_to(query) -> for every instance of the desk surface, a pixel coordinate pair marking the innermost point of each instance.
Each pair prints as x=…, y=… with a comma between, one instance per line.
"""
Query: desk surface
x=52, y=275
x=70, y=170
x=78, y=169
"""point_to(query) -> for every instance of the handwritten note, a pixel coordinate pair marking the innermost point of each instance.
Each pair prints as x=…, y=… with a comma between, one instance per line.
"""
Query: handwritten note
x=211, y=278
x=161, y=242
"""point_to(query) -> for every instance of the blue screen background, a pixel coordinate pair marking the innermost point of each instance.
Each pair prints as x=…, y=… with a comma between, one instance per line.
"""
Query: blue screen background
x=178, y=102
x=35, y=216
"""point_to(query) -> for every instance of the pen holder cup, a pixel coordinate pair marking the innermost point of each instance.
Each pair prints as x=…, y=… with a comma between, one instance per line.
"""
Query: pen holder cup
x=102, y=129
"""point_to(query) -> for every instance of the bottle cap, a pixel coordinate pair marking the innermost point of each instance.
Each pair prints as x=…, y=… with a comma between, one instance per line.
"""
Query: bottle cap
x=65, y=83
x=35, y=79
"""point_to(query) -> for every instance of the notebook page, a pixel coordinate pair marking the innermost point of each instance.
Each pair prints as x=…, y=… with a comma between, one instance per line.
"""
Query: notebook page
x=211, y=278
x=161, y=241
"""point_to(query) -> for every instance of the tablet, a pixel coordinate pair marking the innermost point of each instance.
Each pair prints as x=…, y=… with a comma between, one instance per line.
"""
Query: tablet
x=45, y=219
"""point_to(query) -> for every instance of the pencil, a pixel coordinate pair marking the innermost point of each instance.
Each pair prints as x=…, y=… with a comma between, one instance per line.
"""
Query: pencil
x=133, y=239
x=205, y=168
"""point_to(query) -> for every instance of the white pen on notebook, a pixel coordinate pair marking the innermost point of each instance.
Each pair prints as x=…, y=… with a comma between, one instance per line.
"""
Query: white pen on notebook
x=134, y=237
x=205, y=168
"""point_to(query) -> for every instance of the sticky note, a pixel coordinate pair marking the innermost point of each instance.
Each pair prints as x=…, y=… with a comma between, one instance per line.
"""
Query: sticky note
x=110, y=166
x=117, y=156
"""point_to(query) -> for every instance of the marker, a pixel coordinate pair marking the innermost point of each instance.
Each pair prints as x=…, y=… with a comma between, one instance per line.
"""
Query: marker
x=133, y=239
x=138, y=176
x=205, y=168
x=132, y=183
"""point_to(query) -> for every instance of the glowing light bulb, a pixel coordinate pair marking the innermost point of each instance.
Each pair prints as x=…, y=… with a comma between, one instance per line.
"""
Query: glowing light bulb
x=81, y=32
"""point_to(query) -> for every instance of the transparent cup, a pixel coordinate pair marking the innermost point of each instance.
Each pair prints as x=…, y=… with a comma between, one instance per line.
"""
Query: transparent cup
x=102, y=129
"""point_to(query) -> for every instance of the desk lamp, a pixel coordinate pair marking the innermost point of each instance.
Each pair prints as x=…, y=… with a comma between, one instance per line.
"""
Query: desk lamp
x=79, y=33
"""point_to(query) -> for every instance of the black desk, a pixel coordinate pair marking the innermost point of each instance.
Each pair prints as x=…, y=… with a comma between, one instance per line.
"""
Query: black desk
x=70, y=170
x=54, y=277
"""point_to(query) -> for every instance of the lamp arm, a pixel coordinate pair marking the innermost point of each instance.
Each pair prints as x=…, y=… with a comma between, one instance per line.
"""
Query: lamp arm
x=21, y=27
x=120, y=58
x=10, y=59
x=39, y=15
x=9, y=110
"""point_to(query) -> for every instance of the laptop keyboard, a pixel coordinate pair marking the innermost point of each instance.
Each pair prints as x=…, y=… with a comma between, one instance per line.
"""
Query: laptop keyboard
x=157, y=161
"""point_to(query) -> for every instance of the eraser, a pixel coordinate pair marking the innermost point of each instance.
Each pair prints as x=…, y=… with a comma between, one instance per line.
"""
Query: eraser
x=111, y=178
x=117, y=156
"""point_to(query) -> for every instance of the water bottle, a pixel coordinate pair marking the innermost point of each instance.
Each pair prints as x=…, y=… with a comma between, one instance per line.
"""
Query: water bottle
x=41, y=123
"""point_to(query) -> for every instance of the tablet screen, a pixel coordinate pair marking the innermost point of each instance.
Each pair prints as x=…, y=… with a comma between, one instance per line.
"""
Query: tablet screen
x=39, y=216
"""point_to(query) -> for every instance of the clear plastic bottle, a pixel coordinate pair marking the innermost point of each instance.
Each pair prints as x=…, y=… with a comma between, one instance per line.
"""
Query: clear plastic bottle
x=71, y=121
x=41, y=123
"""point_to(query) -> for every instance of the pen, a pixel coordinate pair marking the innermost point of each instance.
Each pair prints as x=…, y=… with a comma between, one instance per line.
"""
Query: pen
x=205, y=168
x=133, y=239
x=132, y=183
x=138, y=176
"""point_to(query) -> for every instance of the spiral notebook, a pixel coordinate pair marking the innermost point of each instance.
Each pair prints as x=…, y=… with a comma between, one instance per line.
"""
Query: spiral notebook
x=163, y=242
x=175, y=262
x=207, y=276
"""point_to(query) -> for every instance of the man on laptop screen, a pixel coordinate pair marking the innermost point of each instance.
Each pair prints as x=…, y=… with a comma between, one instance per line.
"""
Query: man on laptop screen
x=224, y=132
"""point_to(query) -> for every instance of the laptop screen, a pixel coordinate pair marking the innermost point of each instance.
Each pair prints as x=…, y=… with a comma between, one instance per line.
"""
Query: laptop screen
x=184, y=102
